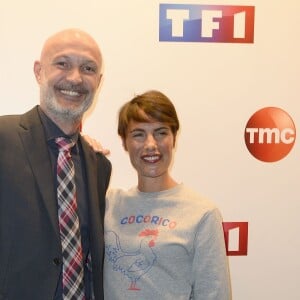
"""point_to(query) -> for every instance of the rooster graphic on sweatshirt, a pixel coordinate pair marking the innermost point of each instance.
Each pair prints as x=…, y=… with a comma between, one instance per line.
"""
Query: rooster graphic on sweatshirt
x=133, y=264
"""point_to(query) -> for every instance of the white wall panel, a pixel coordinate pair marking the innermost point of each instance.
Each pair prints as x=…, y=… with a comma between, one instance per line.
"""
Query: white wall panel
x=216, y=87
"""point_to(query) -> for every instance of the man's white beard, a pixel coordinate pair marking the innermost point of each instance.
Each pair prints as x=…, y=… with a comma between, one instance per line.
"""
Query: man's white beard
x=64, y=113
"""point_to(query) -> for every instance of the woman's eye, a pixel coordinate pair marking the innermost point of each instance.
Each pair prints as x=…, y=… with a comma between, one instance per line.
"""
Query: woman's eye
x=135, y=135
x=162, y=133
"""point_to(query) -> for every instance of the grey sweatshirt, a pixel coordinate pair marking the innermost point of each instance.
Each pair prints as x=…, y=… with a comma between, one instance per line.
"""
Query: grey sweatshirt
x=164, y=245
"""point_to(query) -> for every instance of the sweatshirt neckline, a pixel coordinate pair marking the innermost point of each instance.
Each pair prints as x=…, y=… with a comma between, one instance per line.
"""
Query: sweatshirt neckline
x=169, y=191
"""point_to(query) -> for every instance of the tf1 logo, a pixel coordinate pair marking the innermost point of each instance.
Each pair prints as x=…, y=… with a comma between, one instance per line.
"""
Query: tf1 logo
x=236, y=238
x=206, y=23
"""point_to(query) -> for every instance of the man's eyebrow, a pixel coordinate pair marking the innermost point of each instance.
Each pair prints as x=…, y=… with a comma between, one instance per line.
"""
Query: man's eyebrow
x=61, y=57
x=69, y=57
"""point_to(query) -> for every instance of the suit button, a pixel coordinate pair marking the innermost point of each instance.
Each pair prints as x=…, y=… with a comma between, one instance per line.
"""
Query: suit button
x=56, y=261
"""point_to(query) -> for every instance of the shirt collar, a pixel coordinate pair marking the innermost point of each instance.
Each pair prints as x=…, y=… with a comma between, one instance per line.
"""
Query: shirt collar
x=52, y=131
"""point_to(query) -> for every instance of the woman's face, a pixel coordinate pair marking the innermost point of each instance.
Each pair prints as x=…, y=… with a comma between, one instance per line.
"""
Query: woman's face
x=150, y=146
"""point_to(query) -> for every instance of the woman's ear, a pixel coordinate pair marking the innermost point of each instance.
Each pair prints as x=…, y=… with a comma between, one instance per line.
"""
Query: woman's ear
x=174, y=141
x=124, y=144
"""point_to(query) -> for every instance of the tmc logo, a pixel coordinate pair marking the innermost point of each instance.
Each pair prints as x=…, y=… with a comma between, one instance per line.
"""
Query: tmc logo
x=206, y=23
x=270, y=134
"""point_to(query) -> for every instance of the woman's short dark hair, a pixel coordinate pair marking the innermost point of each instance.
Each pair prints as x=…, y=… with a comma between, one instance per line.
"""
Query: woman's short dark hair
x=148, y=107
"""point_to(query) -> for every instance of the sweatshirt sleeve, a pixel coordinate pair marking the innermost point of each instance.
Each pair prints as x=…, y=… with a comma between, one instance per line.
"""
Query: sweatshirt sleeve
x=211, y=278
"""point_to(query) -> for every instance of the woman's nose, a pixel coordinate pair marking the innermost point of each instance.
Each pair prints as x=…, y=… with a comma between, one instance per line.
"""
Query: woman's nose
x=150, y=142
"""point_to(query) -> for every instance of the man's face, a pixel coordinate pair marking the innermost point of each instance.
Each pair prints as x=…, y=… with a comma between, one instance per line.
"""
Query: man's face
x=69, y=74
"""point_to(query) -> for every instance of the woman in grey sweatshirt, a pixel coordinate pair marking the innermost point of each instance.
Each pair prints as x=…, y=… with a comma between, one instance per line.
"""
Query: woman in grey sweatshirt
x=163, y=240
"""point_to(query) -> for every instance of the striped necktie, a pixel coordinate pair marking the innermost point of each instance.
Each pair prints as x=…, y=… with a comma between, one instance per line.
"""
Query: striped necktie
x=73, y=284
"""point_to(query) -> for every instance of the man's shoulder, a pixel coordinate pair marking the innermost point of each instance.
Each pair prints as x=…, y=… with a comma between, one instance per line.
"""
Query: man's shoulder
x=104, y=161
x=9, y=123
x=13, y=118
x=89, y=151
x=12, y=123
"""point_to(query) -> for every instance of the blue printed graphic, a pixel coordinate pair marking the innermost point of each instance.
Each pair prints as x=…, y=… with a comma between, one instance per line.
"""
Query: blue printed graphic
x=133, y=264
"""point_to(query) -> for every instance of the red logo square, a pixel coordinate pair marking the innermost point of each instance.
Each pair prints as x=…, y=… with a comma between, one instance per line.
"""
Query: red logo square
x=236, y=238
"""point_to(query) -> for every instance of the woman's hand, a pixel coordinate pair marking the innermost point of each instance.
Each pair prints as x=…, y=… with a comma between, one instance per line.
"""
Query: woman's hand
x=97, y=147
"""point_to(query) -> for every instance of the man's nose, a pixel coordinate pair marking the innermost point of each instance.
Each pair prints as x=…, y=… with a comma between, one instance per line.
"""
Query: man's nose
x=74, y=75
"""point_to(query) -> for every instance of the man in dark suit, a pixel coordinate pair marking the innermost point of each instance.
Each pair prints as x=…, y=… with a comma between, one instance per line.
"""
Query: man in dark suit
x=69, y=73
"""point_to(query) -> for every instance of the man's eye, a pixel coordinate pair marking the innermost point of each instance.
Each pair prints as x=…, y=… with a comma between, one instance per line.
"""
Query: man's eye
x=61, y=64
x=89, y=69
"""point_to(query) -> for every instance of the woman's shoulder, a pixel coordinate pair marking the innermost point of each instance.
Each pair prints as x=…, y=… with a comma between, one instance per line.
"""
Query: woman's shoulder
x=196, y=198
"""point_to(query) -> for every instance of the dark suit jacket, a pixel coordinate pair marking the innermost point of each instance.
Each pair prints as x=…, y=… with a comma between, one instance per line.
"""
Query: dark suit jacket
x=30, y=250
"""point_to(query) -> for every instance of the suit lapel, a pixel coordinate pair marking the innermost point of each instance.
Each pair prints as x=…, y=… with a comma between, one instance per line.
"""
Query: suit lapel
x=36, y=149
x=91, y=172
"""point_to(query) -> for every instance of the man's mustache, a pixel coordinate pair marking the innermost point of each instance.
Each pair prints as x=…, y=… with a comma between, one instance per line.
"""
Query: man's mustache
x=79, y=88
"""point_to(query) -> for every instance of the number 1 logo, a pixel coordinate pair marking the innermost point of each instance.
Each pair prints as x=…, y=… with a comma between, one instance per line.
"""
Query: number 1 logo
x=236, y=238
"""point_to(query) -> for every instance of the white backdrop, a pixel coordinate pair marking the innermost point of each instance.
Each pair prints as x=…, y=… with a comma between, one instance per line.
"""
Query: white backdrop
x=216, y=87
